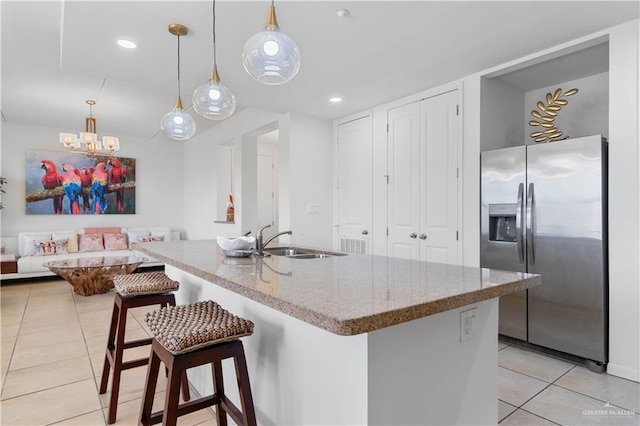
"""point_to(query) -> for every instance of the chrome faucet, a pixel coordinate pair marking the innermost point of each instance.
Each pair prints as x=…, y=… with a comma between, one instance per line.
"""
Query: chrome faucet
x=260, y=245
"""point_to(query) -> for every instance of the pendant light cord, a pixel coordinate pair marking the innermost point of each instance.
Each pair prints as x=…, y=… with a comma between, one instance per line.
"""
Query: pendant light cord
x=213, y=29
x=179, y=94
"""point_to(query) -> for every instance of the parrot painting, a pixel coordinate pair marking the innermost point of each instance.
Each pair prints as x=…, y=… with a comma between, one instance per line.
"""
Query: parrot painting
x=117, y=174
x=85, y=177
x=99, y=181
x=72, y=187
x=50, y=180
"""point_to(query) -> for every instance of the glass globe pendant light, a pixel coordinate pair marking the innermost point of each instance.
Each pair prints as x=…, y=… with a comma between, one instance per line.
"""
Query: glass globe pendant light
x=214, y=100
x=270, y=56
x=177, y=123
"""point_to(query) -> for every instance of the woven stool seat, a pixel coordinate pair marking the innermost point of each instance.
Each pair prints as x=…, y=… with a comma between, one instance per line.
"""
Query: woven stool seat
x=184, y=328
x=144, y=283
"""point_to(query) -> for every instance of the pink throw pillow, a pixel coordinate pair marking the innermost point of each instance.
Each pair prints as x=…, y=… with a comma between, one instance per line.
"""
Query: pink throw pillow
x=115, y=242
x=91, y=242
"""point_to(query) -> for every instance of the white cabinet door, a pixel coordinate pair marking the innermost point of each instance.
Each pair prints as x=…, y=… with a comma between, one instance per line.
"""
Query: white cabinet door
x=355, y=184
x=423, y=192
x=403, y=190
x=439, y=179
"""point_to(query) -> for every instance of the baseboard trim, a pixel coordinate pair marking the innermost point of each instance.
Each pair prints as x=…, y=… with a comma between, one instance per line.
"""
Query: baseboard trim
x=623, y=372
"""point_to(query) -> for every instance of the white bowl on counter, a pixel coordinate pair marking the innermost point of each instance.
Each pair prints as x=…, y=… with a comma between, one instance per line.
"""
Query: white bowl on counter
x=236, y=247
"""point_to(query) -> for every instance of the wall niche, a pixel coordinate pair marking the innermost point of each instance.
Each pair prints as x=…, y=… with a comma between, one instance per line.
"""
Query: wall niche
x=508, y=96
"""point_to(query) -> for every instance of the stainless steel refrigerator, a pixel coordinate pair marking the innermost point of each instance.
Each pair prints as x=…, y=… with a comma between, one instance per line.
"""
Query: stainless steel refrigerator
x=544, y=211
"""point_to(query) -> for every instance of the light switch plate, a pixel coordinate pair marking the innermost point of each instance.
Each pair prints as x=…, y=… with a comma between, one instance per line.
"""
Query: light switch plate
x=313, y=209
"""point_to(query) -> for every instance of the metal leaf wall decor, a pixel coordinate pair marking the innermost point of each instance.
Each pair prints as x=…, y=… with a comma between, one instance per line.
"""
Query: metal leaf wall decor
x=546, y=114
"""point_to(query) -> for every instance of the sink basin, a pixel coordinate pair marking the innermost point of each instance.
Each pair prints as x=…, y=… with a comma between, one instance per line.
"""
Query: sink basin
x=298, y=253
x=310, y=256
x=285, y=251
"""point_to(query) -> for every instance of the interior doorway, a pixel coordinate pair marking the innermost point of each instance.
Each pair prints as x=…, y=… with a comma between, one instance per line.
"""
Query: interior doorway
x=267, y=181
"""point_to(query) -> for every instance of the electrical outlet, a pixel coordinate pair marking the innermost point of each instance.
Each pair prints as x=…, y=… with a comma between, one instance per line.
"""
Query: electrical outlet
x=468, y=324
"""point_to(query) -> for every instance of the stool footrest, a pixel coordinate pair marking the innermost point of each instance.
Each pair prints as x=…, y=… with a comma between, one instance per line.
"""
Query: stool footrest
x=232, y=410
x=187, y=408
x=135, y=363
x=136, y=343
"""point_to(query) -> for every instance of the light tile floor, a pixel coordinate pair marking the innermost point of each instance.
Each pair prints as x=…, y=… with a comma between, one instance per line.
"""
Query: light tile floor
x=535, y=389
x=53, y=344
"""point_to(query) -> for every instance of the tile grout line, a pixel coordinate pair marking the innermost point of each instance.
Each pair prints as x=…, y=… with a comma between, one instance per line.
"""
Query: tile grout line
x=86, y=347
x=533, y=414
x=597, y=399
x=24, y=310
x=548, y=384
x=537, y=378
x=587, y=395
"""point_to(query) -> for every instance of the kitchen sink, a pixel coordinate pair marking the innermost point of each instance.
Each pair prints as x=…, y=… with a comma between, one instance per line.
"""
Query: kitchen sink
x=310, y=256
x=285, y=251
x=298, y=253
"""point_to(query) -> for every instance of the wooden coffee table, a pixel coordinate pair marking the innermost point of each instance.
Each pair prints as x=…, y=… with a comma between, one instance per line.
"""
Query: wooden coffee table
x=93, y=275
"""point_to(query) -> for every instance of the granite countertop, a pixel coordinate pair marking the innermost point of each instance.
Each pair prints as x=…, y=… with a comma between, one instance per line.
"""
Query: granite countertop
x=344, y=295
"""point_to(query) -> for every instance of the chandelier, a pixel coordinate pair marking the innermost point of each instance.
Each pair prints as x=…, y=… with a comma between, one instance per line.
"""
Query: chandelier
x=89, y=138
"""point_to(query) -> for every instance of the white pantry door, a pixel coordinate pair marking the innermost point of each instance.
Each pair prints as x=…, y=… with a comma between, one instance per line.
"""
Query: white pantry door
x=403, y=189
x=439, y=179
x=423, y=193
x=355, y=180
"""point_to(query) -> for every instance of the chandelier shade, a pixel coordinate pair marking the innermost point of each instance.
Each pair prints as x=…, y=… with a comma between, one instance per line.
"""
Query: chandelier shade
x=270, y=56
x=177, y=124
x=213, y=100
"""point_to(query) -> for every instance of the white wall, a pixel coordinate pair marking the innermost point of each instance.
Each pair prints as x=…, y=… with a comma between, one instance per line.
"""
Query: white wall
x=304, y=176
x=159, y=183
x=310, y=181
x=471, y=107
x=501, y=110
x=624, y=182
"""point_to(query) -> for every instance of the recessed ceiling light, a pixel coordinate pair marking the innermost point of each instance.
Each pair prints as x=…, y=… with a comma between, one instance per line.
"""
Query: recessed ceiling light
x=127, y=44
x=335, y=100
x=342, y=13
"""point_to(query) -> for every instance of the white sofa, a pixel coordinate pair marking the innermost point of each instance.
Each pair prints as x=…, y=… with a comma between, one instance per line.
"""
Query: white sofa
x=31, y=265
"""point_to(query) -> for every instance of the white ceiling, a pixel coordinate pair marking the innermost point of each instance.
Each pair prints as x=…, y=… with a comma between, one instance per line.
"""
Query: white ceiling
x=57, y=54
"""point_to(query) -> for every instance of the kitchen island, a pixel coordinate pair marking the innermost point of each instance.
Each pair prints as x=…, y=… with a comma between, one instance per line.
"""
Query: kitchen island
x=354, y=339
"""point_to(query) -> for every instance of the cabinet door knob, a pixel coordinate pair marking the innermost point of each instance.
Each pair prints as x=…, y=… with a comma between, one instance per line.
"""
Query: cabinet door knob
x=413, y=235
x=365, y=232
x=423, y=236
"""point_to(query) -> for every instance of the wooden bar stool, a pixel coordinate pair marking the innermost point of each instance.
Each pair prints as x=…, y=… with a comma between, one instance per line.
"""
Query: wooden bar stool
x=187, y=336
x=133, y=291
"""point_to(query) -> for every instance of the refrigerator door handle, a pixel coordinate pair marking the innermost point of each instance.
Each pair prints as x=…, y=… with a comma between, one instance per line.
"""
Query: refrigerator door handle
x=530, y=252
x=519, y=227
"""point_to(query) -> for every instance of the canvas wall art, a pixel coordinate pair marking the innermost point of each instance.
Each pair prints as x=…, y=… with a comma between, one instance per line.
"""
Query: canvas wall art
x=74, y=183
